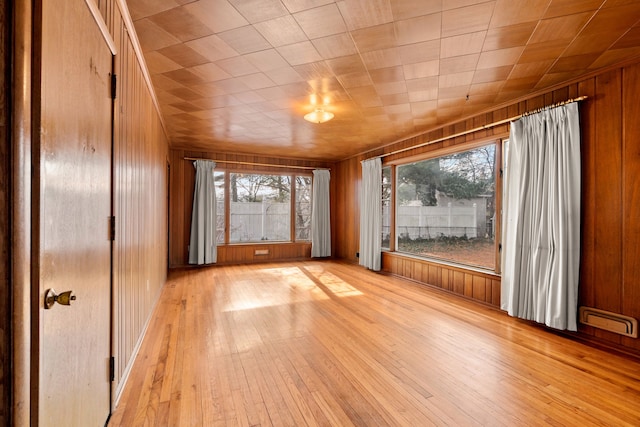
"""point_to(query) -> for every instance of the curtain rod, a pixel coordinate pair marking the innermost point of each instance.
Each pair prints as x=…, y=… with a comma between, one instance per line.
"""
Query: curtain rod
x=483, y=127
x=271, y=165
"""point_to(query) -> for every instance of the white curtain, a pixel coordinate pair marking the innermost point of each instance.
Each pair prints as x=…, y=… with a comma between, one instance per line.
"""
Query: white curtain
x=371, y=214
x=320, y=215
x=541, y=242
x=202, y=244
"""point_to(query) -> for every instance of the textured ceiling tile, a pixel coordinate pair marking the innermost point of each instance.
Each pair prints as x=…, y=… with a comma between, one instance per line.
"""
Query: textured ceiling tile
x=456, y=79
x=564, y=27
x=284, y=75
x=346, y=65
x=355, y=80
x=382, y=58
x=237, y=66
x=260, y=10
x=245, y=40
x=509, y=36
x=184, y=76
x=420, y=52
x=467, y=19
x=420, y=29
x=144, y=8
x=492, y=74
x=299, y=5
x=391, y=88
x=500, y=57
x=218, y=15
x=568, y=7
x=577, y=63
x=257, y=81
x=335, y=45
x=374, y=38
x=183, y=55
x=386, y=75
x=267, y=60
x=365, y=13
x=181, y=24
x=421, y=69
x=530, y=69
x=405, y=9
x=543, y=51
x=210, y=72
x=212, y=47
x=281, y=31
x=464, y=44
x=152, y=37
x=158, y=63
x=395, y=98
x=509, y=12
x=458, y=64
x=321, y=21
x=300, y=53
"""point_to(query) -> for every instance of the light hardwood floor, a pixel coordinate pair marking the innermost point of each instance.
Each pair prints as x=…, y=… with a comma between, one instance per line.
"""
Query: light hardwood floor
x=330, y=344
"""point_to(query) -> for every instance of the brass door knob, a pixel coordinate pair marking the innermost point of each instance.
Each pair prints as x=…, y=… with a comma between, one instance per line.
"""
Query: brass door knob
x=50, y=298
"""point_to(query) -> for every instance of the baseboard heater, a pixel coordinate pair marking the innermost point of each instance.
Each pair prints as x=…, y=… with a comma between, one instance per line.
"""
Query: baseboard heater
x=612, y=322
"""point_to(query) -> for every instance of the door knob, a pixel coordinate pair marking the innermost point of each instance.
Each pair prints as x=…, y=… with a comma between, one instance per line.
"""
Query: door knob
x=50, y=298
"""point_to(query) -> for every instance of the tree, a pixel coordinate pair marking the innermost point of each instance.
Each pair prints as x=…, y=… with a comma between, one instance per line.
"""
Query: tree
x=424, y=178
x=470, y=174
x=465, y=175
x=256, y=187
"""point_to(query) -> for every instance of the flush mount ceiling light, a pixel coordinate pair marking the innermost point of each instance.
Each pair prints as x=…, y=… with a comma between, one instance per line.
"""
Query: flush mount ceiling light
x=318, y=116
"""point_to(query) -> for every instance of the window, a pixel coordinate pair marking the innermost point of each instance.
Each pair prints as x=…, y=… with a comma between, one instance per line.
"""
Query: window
x=386, y=207
x=445, y=207
x=259, y=208
x=218, y=179
x=303, y=208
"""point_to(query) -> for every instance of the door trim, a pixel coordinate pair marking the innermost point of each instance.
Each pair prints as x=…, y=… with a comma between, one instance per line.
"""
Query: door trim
x=21, y=152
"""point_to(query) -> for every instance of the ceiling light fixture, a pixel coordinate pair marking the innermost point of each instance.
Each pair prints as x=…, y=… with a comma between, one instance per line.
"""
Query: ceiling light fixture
x=318, y=116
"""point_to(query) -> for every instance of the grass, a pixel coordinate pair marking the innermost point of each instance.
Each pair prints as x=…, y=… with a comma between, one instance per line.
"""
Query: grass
x=479, y=252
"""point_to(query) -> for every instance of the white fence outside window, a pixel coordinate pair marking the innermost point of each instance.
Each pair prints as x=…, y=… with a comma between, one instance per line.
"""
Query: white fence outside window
x=259, y=221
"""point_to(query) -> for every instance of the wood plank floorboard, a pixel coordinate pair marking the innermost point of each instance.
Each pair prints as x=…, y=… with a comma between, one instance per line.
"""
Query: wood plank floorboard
x=323, y=343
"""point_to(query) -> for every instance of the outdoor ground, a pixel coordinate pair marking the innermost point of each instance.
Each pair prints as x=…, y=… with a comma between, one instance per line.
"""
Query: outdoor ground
x=478, y=252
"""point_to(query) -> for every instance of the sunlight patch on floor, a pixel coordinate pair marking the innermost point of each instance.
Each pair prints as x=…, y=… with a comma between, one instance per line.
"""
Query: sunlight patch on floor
x=333, y=283
x=294, y=287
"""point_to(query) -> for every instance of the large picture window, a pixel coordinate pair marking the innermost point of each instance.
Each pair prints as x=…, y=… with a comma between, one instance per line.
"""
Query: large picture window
x=445, y=207
x=259, y=208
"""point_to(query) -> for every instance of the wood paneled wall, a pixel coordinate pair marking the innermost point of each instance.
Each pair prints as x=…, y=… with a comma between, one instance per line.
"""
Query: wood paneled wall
x=181, y=200
x=140, y=197
x=5, y=174
x=610, y=262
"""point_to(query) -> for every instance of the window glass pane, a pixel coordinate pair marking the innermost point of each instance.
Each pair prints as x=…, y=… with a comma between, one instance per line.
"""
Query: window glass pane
x=386, y=207
x=260, y=208
x=303, y=208
x=446, y=207
x=218, y=178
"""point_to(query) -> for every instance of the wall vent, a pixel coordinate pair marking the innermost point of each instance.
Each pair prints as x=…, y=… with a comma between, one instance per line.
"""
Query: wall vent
x=261, y=252
x=612, y=322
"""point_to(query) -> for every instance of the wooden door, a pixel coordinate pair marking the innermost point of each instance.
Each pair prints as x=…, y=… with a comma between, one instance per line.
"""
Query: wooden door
x=73, y=207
